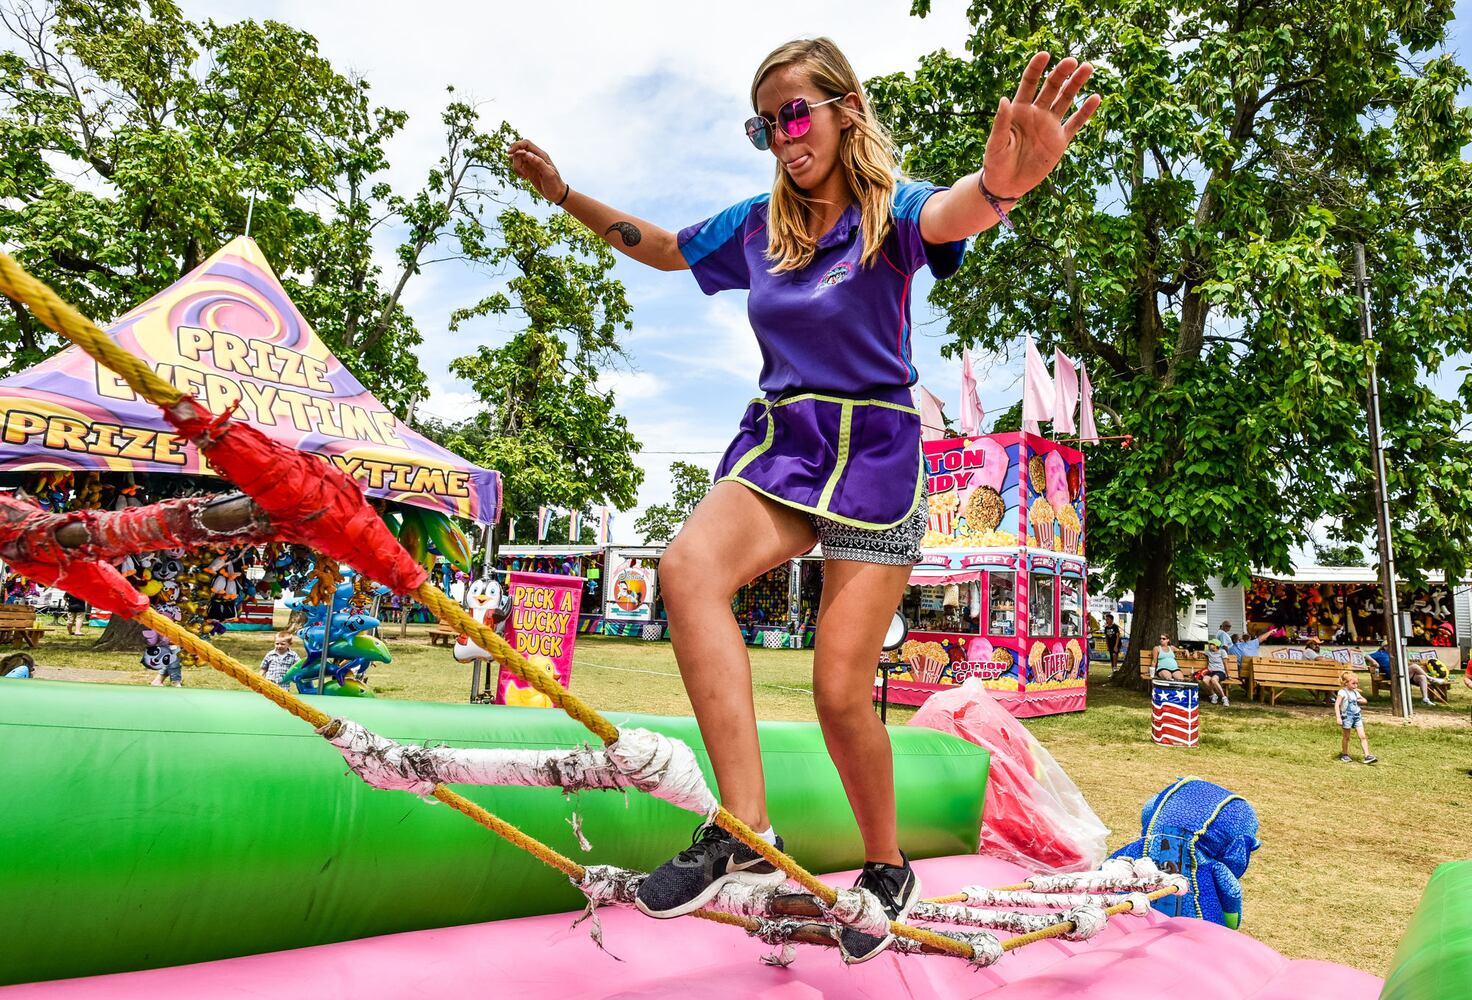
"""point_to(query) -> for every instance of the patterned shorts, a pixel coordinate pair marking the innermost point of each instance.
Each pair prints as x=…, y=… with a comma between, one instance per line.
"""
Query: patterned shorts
x=897, y=546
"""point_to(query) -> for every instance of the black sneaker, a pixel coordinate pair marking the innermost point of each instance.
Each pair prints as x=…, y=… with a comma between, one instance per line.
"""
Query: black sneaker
x=691, y=878
x=898, y=890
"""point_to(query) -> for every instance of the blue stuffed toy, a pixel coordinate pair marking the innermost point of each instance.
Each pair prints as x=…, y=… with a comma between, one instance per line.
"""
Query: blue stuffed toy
x=1206, y=833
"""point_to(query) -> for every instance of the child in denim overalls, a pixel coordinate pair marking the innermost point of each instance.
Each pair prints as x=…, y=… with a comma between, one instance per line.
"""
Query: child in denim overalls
x=1347, y=710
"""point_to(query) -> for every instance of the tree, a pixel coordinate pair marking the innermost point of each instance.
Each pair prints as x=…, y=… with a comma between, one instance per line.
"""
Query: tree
x=1339, y=554
x=1194, y=248
x=660, y=522
x=546, y=427
x=133, y=140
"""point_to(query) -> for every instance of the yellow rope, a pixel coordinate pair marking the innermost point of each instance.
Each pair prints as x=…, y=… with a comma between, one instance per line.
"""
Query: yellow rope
x=960, y=897
x=231, y=667
x=540, y=678
x=63, y=318
x=447, y=611
x=1064, y=927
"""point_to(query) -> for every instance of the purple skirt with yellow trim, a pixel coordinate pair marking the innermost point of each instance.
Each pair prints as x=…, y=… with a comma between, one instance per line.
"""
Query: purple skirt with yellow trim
x=855, y=461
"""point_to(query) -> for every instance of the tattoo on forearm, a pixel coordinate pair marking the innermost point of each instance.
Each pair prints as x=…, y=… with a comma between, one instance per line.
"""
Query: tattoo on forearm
x=626, y=231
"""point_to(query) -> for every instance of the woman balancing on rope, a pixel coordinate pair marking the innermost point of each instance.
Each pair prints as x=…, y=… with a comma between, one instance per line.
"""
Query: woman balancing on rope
x=832, y=452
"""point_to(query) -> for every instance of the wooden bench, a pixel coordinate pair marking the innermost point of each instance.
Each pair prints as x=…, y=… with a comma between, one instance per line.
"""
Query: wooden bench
x=18, y=624
x=1189, y=664
x=1272, y=675
x=443, y=635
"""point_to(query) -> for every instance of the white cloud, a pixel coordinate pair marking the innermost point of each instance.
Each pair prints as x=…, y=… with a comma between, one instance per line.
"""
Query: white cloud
x=628, y=387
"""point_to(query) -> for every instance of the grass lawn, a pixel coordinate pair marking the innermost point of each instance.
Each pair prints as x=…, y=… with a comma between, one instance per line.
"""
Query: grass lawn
x=1346, y=850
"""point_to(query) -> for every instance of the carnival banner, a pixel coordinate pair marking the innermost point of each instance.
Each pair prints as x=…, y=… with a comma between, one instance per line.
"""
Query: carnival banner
x=543, y=627
x=228, y=333
x=631, y=591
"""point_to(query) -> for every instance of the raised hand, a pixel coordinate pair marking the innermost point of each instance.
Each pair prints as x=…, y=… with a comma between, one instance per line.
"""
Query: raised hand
x=1031, y=132
x=531, y=163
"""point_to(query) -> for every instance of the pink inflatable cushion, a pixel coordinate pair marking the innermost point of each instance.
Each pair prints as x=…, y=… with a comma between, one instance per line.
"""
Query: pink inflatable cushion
x=1133, y=958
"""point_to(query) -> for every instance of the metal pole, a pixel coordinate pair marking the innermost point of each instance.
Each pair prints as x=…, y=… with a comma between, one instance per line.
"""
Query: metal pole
x=326, y=638
x=1400, y=682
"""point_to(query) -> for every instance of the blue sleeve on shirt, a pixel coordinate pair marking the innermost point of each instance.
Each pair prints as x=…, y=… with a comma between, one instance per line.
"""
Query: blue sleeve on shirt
x=715, y=249
x=944, y=258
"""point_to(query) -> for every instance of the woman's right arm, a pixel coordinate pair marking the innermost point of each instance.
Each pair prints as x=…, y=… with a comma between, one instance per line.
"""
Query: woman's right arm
x=643, y=241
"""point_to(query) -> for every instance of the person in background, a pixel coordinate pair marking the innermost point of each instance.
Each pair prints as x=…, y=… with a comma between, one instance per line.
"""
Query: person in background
x=1416, y=671
x=76, y=614
x=279, y=659
x=1347, y=704
x=1166, y=667
x=1224, y=635
x=1215, y=679
x=1111, y=642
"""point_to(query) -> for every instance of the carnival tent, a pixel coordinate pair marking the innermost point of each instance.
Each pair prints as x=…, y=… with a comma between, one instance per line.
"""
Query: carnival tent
x=228, y=333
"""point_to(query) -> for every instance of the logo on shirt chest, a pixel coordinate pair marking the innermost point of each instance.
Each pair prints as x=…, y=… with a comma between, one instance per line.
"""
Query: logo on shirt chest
x=836, y=274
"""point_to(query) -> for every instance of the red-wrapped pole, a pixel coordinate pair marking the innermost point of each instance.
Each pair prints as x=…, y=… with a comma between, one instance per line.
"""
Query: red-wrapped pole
x=308, y=500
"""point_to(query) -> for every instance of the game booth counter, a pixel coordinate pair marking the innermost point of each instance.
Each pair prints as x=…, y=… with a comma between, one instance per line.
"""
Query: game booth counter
x=588, y=562
x=1001, y=592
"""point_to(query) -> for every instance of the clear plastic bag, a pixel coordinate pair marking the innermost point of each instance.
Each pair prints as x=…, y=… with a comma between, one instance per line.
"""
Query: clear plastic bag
x=1035, y=815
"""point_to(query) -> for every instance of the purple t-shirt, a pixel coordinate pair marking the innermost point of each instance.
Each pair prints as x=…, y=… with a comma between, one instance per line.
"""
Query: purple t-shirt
x=837, y=434
x=831, y=326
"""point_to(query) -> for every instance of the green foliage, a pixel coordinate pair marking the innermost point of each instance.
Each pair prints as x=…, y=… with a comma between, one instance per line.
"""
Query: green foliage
x=547, y=428
x=1195, y=247
x=132, y=140
x=660, y=522
x=1339, y=555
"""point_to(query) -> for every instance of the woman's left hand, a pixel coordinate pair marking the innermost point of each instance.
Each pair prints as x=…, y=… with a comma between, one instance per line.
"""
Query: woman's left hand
x=1030, y=132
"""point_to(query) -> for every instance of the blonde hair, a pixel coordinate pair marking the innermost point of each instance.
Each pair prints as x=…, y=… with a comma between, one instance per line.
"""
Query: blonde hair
x=865, y=154
x=1345, y=676
x=290, y=637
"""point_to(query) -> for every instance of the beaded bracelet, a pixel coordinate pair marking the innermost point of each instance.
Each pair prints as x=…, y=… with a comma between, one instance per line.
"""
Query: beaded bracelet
x=996, y=202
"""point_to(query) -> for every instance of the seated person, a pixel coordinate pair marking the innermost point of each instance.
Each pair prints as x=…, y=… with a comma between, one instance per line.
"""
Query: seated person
x=1166, y=668
x=1215, y=678
x=1314, y=651
x=1414, y=669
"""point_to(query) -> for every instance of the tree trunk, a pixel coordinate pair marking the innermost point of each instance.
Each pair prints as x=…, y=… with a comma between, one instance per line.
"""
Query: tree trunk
x=122, y=635
x=1155, y=609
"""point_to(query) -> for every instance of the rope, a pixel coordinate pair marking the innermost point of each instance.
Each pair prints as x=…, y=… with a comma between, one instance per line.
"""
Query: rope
x=65, y=320
x=1068, y=926
x=231, y=667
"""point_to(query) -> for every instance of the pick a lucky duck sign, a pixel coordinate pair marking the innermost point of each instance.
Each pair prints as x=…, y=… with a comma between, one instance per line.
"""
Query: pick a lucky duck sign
x=540, y=620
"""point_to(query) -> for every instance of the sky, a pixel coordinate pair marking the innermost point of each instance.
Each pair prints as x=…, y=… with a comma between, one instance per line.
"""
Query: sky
x=640, y=104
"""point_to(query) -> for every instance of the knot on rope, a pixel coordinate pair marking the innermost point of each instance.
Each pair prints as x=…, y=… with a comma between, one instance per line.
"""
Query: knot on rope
x=861, y=910
x=665, y=768
x=985, y=948
x=1087, y=921
x=380, y=762
x=609, y=885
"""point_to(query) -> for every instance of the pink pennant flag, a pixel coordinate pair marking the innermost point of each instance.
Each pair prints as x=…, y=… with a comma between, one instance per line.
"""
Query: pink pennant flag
x=1038, y=395
x=1087, y=432
x=1065, y=377
x=932, y=419
x=971, y=412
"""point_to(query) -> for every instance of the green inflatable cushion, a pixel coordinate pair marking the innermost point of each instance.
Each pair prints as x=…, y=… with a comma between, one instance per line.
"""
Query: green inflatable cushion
x=147, y=826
